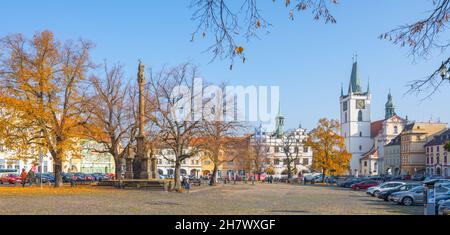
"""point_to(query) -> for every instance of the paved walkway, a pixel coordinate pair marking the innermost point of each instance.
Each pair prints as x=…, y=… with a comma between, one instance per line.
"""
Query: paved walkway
x=225, y=199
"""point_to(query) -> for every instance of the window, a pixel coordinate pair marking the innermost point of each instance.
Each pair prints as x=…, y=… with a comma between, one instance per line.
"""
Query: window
x=305, y=161
x=276, y=162
x=360, y=148
x=360, y=116
x=360, y=134
x=365, y=163
x=395, y=129
x=305, y=149
x=345, y=117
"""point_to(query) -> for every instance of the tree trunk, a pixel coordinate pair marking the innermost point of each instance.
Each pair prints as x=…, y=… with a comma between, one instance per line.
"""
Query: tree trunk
x=57, y=168
x=118, y=165
x=213, y=180
x=177, y=185
x=323, y=175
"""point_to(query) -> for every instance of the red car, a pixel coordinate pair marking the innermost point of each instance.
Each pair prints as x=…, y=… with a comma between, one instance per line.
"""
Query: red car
x=10, y=179
x=365, y=185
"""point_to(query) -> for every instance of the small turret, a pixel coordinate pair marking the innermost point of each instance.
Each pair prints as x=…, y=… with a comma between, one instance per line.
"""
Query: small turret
x=390, y=107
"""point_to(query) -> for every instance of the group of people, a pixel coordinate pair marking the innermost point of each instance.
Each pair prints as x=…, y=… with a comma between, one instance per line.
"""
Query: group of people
x=269, y=179
x=29, y=177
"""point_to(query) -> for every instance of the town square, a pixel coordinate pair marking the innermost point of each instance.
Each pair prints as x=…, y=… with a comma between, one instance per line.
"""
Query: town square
x=225, y=107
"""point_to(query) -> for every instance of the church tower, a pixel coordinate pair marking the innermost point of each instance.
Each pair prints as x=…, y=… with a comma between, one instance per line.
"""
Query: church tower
x=356, y=119
x=390, y=107
x=279, y=131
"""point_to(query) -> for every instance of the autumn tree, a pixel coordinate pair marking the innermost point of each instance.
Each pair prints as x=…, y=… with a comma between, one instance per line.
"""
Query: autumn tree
x=42, y=88
x=424, y=38
x=329, y=151
x=230, y=23
x=113, y=121
x=174, y=114
x=447, y=147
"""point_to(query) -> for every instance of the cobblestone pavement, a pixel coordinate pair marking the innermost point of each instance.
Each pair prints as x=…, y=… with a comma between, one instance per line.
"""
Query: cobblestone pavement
x=223, y=200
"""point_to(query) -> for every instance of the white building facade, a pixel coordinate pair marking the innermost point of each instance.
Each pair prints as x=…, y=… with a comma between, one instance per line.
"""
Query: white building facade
x=364, y=138
x=189, y=167
x=275, y=143
x=356, y=120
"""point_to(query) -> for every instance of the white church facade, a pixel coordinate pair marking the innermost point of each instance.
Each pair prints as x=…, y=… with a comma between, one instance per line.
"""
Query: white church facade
x=365, y=139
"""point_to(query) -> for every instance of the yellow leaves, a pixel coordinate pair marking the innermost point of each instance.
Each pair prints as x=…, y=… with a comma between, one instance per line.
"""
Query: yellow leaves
x=258, y=24
x=328, y=147
x=50, y=191
x=239, y=50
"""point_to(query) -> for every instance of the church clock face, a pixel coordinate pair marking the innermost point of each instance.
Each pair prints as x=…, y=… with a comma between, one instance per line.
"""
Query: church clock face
x=361, y=104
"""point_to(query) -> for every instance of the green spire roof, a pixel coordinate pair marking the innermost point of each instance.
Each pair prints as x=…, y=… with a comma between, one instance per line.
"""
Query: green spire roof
x=390, y=107
x=355, y=82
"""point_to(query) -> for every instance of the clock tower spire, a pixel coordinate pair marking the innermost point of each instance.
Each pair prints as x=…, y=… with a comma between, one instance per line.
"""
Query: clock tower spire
x=356, y=119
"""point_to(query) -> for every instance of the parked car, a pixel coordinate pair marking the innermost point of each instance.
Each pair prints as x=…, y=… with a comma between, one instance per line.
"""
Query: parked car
x=374, y=191
x=68, y=177
x=349, y=182
x=437, y=181
x=433, y=177
x=406, y=177
x=310, y=177
x=365, y=185
x=82, y=177
x=46, y=178
x=10, y=179
x=444, y=207
x=409, y=198
x=418, y=177
x=385, y=194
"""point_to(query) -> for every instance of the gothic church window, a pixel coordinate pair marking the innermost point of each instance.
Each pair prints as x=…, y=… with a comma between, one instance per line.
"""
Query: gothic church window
x=360, y=116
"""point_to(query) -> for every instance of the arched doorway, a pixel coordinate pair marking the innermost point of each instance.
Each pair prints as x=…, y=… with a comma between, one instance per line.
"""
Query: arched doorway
x=397, y=171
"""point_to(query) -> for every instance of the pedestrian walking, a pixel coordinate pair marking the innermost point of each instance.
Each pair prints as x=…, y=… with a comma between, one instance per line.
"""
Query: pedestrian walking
x=187, y=185
x=31, y=177
x=23, y=177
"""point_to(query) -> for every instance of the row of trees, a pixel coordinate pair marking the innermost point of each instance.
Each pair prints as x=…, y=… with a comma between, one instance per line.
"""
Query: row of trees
x=50, y=99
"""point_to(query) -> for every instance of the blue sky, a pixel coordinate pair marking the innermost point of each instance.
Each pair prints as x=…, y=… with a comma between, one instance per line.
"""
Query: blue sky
x=308, y=60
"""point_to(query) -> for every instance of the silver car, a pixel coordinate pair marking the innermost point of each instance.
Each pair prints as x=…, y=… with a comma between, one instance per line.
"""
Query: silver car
x=374, y=191
x=444, y=208
x=409, y=198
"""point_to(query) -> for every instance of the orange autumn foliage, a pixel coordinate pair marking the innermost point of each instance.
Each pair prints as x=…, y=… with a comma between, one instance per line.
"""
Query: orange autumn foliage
x=42, y=98
x=329, y=152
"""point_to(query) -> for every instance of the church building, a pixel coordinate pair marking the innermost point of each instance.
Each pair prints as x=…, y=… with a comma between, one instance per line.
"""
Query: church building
x=365, y=139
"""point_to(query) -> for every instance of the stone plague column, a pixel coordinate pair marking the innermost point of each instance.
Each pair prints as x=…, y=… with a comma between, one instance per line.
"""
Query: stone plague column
x=141, y=153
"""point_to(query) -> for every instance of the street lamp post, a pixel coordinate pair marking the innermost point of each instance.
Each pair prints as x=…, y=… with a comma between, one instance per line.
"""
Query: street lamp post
x=444, y=71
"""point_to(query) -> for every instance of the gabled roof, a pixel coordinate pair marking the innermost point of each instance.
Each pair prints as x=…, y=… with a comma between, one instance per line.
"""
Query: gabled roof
x=396, y=141
x=372, y=152
x=440, y=139
x=375, y=128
